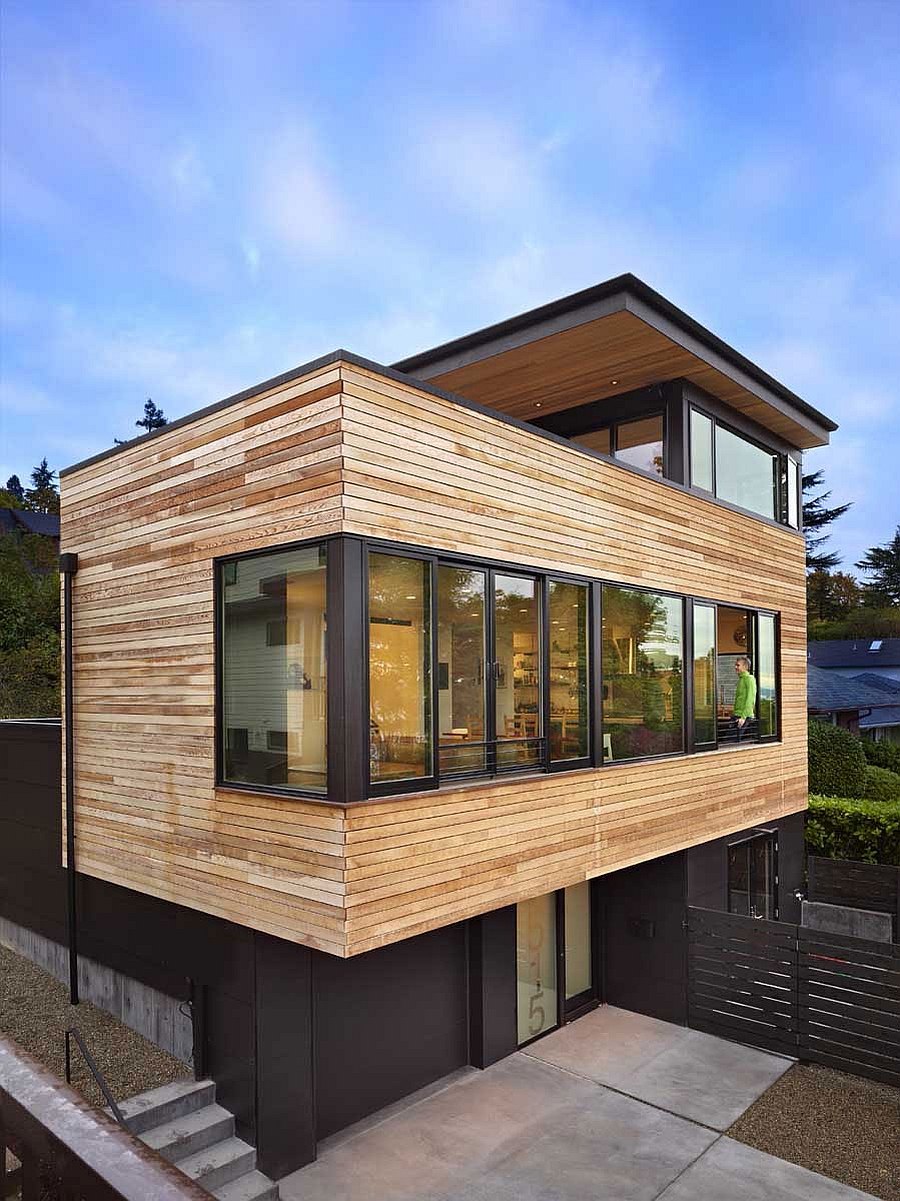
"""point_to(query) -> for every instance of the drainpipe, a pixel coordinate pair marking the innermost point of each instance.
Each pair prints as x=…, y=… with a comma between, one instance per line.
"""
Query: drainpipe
x=68, y=565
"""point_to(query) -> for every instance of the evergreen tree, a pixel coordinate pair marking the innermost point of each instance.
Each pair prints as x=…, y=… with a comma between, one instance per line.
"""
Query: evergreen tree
x=816, y=516
x=43, y=496
x=831, y=596
x=882, y=565
x=154, y=419
x=15, y=489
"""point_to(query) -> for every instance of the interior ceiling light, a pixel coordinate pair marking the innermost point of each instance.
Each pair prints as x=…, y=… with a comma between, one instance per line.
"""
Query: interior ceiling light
x=613, y=381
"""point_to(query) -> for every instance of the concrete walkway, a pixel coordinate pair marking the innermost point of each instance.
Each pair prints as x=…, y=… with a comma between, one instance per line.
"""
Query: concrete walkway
x=614, y=1107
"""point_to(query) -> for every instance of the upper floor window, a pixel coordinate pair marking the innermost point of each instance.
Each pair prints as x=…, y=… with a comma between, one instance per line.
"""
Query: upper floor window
x=273, y=669
x=739, y=470
x=638, y=442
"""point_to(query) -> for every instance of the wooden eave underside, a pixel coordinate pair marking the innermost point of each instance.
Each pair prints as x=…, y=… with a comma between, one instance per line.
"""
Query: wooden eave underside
x=576, y=365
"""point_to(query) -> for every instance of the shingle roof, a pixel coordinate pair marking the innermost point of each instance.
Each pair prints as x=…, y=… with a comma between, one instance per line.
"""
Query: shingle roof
x=865, y=653
x=21, y=520
x=830, y=693
x=876, y=681
x=887, y=716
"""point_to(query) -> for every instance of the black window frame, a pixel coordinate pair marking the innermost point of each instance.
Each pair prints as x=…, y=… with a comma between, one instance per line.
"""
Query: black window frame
x=346, y=639
x=780, y=468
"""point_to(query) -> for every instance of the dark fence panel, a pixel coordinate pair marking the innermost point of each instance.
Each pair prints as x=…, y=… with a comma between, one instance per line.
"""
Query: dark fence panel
x=742, y=979
x=849, y=1010
x=861, y=885
x=825, y=998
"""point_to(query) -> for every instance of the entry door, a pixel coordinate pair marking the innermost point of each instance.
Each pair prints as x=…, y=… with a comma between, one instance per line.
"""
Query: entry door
x=751, y=876
x=580, y=969
x=557, y=969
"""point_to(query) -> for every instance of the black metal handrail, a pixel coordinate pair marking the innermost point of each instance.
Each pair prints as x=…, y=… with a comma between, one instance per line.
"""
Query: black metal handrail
x=74, y=1032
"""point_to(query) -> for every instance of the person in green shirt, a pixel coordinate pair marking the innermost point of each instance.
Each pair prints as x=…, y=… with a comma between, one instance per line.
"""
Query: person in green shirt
x=744, y=695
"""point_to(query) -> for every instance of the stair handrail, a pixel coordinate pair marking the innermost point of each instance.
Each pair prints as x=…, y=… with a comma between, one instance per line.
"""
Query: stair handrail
x=74, y=1032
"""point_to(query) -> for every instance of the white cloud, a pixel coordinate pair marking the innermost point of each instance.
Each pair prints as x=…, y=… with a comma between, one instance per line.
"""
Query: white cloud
x=298, y=199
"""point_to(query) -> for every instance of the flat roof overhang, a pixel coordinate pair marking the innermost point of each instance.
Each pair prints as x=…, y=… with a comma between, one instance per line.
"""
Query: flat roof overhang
x=612, y=338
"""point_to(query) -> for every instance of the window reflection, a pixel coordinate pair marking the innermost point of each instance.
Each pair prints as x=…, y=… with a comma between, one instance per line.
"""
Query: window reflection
x=399, y=668
x=745, y=474
x=701, y=450
x=461, y=669
x=568, y=671
x=517, y=670
x=642, y=674
x=766, y=661
x=598, y=440
x=640, y=443
x=704, y=674
x=273, y=669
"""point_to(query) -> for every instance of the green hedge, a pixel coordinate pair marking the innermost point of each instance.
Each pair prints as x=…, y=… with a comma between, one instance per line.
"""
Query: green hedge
x=882, y=754
x=881, y=784
x=843, y=828
x=837, y=765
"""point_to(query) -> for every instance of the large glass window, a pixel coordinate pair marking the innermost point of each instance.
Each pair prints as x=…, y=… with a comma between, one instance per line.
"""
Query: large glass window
x=569, y=690
x=462, y=656
x=642, y=674
x=704, y=675
x=768, y=678
x=640, y=443
x=751, y=876
x=536, y=966
x=400, y=738
x=273, y=669
x=517, y=670
x=745, y=473
x=701, y=450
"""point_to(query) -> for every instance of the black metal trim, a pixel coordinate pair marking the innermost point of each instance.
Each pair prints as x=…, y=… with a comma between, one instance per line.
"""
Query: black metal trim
x=68, y=565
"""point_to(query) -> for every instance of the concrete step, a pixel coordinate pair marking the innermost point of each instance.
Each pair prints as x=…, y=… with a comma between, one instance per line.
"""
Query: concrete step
x=220, y=1164
x=251, y=1187
x=183, y=1136
x=163, y=1104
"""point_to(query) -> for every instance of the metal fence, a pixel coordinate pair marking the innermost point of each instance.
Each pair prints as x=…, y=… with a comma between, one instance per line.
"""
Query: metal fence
x=824, y=998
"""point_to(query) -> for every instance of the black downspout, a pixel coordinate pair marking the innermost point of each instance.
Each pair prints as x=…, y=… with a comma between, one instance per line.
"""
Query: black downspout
x=68, y=565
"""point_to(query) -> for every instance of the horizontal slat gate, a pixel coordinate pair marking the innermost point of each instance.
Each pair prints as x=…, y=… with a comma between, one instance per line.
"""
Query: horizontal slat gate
x=826, y=998
x=849, y=1004
x=742, y=979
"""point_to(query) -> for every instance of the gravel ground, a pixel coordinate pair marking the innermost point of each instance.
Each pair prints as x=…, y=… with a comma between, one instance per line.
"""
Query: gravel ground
x=35, y=1012
x=843, y=1126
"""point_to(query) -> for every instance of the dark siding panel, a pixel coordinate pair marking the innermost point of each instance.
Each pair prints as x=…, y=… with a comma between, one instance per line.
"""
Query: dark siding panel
x=492, y=984
x=387, y=1023
x=285, y=1133
x=644, y=940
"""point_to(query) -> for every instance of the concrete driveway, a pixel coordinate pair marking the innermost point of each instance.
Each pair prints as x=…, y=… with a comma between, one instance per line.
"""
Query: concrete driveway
x=614, y=1107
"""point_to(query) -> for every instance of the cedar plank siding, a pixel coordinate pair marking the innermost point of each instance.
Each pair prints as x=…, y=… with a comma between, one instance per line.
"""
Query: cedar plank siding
x=345, y=449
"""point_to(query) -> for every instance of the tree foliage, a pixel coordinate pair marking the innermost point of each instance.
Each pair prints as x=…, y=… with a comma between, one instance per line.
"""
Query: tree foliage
x=882, y=565
x=153, y=419
x=842, y=828
x=837, y=764
x=29, y=627
x=817, y=515
x=831, y=595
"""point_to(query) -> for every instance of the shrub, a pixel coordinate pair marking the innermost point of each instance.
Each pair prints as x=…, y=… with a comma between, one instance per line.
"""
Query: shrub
x=882, y=754
x=843, y=828
x=881, y=784
x=837, y=765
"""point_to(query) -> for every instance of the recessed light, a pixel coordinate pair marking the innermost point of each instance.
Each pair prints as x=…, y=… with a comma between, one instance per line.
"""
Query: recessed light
x=613, y=381
x=538, y=404
x=412, y=598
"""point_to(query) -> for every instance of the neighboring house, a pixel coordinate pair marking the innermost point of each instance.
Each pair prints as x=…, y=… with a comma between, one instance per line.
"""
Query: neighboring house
x=21, y=521
x=872, y=664
x=861, y=704
x=418, y=679
x=850, y=657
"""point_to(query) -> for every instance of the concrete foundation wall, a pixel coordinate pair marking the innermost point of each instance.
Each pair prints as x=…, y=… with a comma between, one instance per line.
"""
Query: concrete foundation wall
x=161, y=1019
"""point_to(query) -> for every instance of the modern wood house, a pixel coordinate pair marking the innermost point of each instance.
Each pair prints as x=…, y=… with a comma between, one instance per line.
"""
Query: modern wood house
x=422, y=681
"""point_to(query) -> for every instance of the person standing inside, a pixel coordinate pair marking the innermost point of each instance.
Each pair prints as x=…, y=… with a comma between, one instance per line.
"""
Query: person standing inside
x=744, y=708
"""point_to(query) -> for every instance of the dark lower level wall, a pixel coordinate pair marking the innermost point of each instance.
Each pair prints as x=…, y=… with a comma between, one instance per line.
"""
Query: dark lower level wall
x=302, y=1044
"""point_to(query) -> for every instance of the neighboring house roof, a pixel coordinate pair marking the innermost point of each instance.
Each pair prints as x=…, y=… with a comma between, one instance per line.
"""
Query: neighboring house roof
x=876, y=681
x=828, y=693
x=868, y=654
x=889, y=716
x=14, y=521
x=877, y=718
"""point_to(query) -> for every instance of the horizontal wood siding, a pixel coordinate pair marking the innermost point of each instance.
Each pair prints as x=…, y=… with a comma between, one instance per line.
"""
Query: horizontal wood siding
x=146, y=524
x=421, y=469
x=346, y=449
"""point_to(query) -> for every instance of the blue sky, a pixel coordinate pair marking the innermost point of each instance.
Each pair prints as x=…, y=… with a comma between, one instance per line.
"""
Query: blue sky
x=197, y=195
